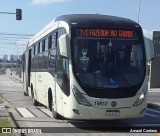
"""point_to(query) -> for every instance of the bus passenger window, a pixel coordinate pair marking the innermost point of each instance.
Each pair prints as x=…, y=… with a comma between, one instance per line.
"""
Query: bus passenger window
x=34, y=49
x=38, y=47
x=45, y=60
x=50, y=42
x=43, y=45
x=52, y=61
x=53, y=40
x=46, y=44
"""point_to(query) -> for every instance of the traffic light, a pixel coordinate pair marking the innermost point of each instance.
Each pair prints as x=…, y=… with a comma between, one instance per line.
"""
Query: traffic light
x=18, y=14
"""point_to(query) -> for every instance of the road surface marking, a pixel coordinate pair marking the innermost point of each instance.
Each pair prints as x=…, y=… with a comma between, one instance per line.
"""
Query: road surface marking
x=25, y=112
x=46, y=111
x=5, y=102
x=10, y=84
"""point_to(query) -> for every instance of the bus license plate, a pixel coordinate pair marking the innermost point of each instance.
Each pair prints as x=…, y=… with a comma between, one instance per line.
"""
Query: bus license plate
x=112, y=112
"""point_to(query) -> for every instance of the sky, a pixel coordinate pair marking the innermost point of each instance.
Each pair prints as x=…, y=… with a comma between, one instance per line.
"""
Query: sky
x=38, y=13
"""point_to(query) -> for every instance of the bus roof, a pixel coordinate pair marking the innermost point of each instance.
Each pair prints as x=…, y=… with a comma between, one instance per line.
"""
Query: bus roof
x=97, y=20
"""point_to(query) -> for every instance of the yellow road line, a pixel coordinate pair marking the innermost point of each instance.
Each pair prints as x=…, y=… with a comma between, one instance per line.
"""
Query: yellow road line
x=5, y=102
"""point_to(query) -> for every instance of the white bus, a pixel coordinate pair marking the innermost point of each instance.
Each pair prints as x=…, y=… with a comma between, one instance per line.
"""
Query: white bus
x=88, y=67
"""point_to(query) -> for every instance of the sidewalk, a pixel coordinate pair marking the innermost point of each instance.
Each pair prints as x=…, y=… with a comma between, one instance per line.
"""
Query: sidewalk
x=5, y=119
x=3, y=114
x=3, y=104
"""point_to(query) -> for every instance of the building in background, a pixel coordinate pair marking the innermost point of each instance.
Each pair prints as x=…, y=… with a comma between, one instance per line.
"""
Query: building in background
x=20, y=57
x=155, y=64
x=13, y=58
x=5, y=58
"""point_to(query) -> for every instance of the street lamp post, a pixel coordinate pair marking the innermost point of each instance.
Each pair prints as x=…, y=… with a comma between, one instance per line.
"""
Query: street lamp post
x=139, y=10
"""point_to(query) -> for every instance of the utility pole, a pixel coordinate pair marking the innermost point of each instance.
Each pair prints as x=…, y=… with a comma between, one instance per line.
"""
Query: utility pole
x=139, y=10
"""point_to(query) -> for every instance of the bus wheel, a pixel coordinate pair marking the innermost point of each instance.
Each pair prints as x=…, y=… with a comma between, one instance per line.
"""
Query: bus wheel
x=35, y=103
x=54, y=113
x=25, y=94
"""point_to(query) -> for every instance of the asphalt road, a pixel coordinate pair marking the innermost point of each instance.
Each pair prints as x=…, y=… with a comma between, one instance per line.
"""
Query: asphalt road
x=24, y=114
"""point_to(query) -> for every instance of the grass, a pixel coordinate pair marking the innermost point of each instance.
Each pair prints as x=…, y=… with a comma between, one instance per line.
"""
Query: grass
x=5, y=123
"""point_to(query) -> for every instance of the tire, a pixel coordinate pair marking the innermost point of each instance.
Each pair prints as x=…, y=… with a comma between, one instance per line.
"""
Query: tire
x=35, y=103
x=54, y=113
x=25, y=94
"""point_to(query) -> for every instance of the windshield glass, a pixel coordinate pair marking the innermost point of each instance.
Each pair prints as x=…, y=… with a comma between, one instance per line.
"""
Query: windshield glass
x=108, y=63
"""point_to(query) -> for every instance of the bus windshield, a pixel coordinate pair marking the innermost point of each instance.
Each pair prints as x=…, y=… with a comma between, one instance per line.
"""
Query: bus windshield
x=108, y=62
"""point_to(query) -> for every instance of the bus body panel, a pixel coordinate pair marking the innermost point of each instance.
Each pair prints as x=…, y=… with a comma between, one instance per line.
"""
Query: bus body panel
x=124, y=105
x=44, y=82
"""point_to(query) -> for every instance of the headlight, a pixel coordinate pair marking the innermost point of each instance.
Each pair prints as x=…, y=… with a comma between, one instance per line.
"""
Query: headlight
x=140, y=100
x=79, y=97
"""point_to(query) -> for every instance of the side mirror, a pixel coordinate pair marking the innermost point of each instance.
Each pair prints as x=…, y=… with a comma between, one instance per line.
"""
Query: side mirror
x=149, y=47
x=64, y=42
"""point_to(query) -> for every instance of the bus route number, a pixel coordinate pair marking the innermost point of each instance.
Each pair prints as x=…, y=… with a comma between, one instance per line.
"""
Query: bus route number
x=100, y=103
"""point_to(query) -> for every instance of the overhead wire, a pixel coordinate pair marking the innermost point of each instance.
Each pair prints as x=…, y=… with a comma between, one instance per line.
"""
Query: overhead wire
x=13, y=41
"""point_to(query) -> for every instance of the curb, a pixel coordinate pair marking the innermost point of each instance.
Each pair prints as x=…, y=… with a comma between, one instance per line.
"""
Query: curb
x=9, y=115
x=13, y=121
x=10, y=118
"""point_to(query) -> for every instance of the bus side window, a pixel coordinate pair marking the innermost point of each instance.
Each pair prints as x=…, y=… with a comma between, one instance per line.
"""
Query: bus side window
x=33, y=53
x=43, y=45
x=54, y=36
x=50, y=42
x=46, y=44
x=36, y=57
x=62, y=71
x=52, y=53
x=52, y=60
x=62, y=68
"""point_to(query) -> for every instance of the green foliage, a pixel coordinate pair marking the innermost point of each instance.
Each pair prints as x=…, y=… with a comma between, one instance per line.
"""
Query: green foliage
x=5, y=123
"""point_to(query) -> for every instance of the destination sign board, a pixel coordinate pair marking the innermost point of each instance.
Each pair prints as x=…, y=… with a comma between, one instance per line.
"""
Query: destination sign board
x=108, y=33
